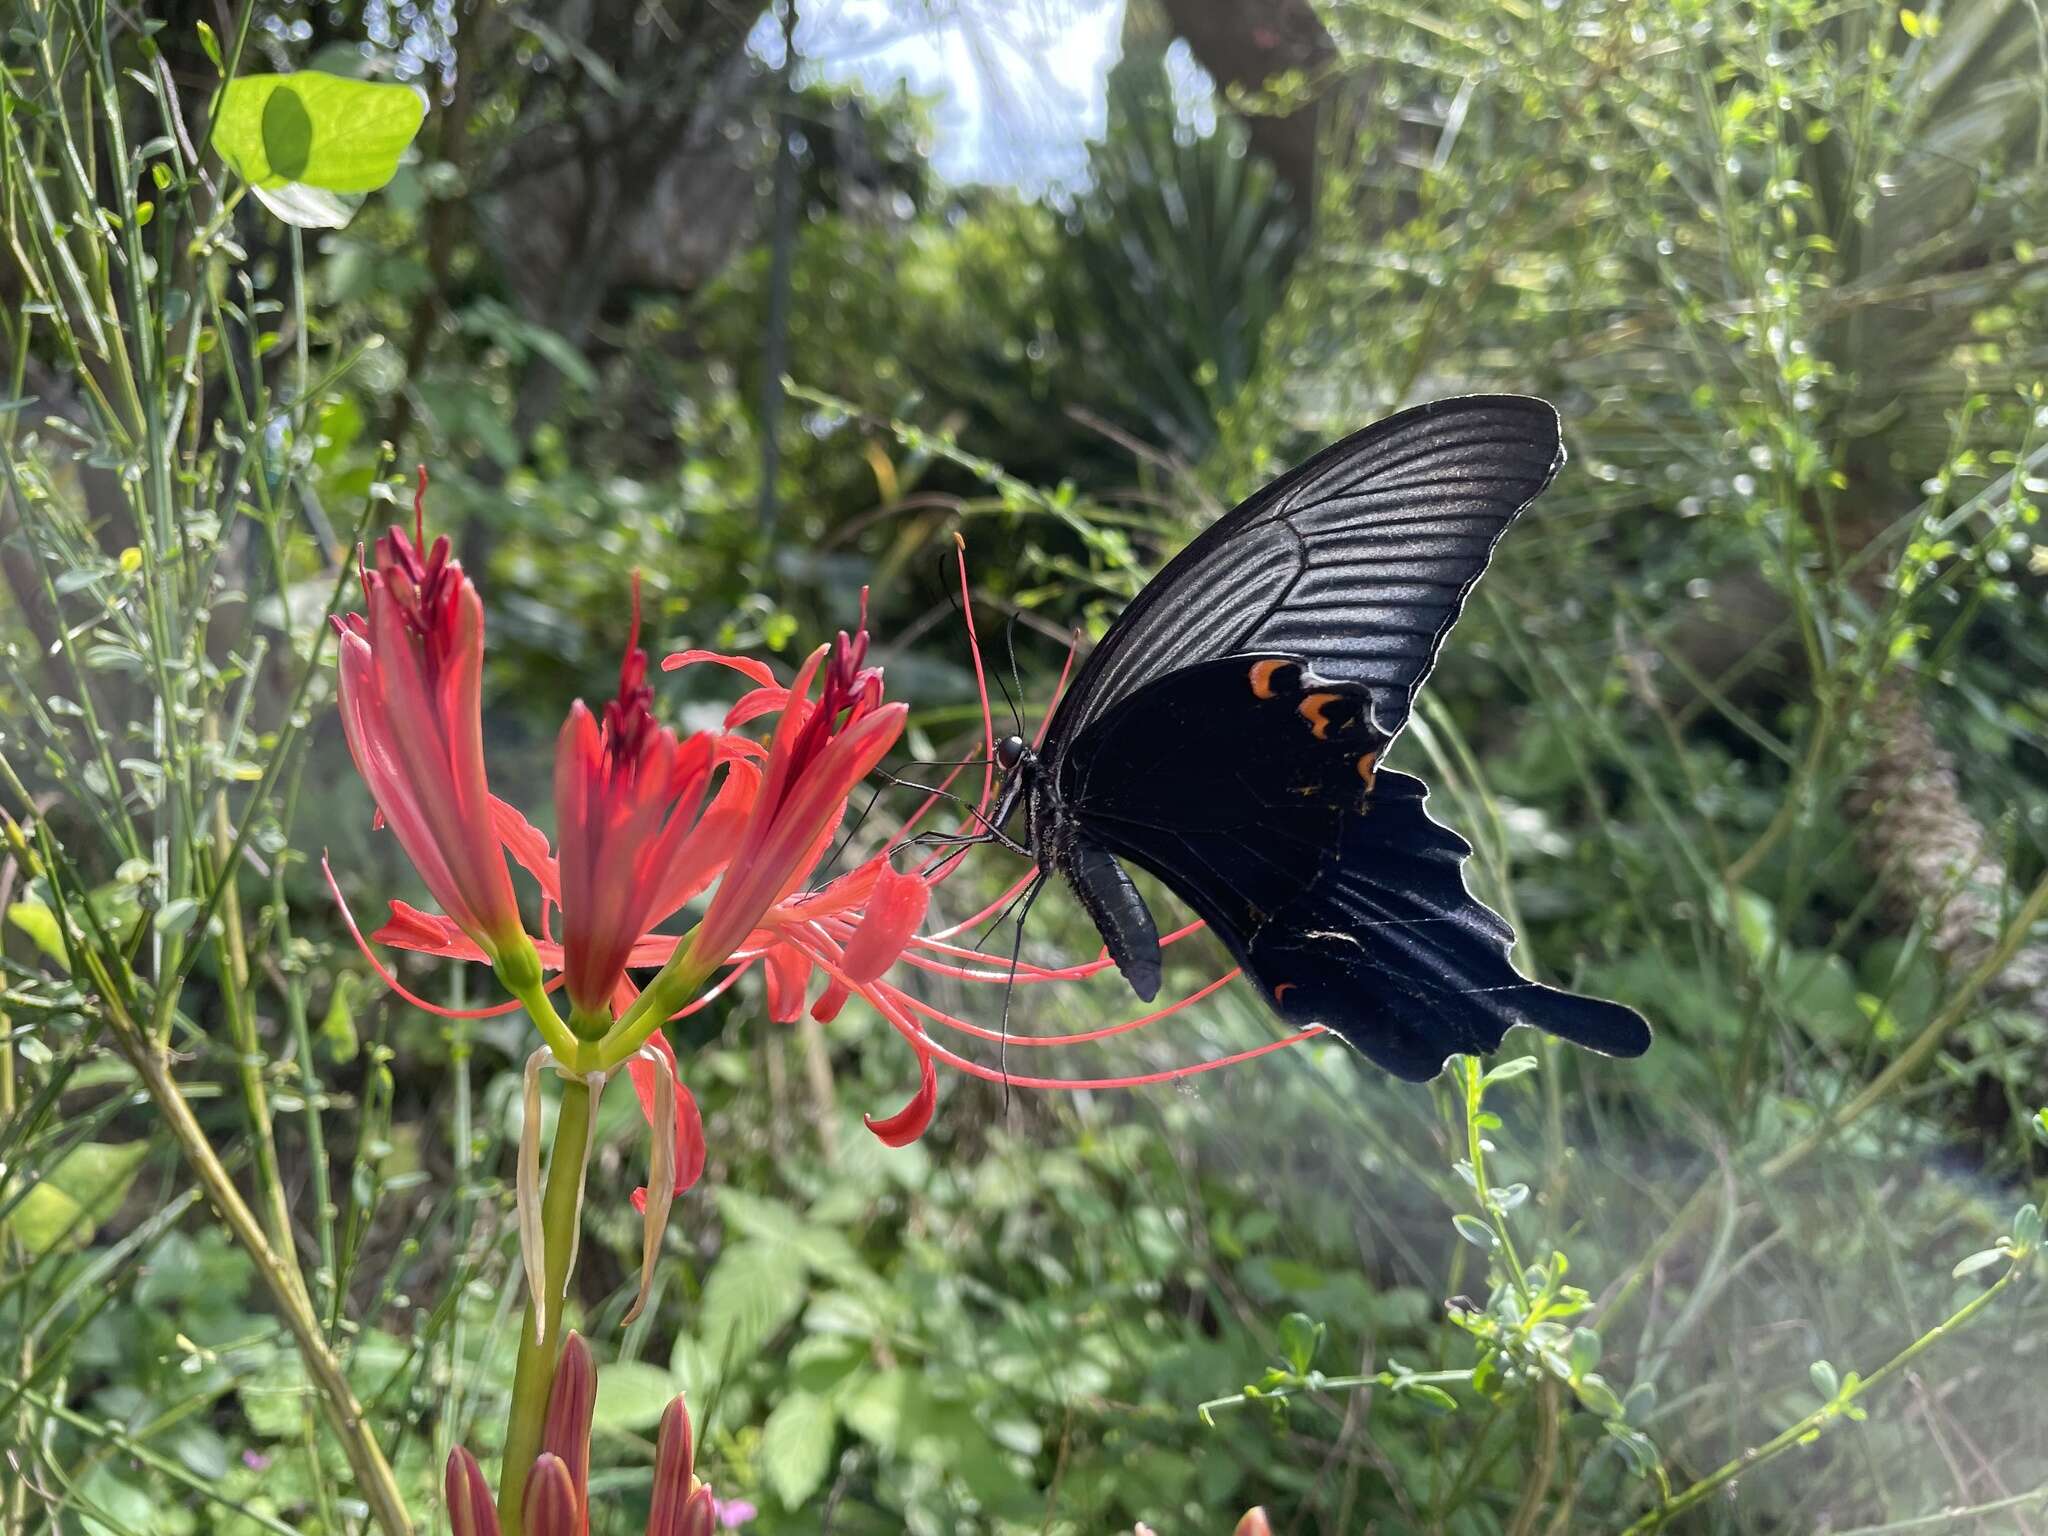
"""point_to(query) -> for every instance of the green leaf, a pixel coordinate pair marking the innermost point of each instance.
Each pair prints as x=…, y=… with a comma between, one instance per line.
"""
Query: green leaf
x=631, y=1396
x=1640, y=1403
x=1585, y=1351
x=1300, y=1335
x=1825, y=1381
x=2026, y=1227
x=1431, y=1398
x=754, y=1289
x=1984, y=1258
x=1598, y=1397
x=40, y=924
x=76, y=1196
x=878, y=1411
x=338, y=1027
x=1474, y=1231
x=316, y=129
x=1507, y=1071
x=796, y=1447
x=177, y=916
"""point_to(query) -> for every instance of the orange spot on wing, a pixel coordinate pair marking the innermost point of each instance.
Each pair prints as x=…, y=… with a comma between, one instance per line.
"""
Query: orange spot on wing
x=1262, y=677
x=1367, y=766
x=1281, y=990
x=1312, y=710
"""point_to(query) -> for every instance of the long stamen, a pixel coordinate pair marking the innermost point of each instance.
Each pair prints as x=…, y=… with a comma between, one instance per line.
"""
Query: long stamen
x=986, y=912
x=988, y=724
x=1027, y=974
x=1135, y=1080
x=980, y=1032
x=897, y=1007
x=348, y=918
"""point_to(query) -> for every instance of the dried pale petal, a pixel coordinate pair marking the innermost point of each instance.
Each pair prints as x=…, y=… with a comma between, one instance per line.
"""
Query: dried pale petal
x=470, y=1510
x=1254, y=1523
x=526, y=1194
x=552, y=1507
x=571, y=1402
x=673, y=1455
x=661, y=1176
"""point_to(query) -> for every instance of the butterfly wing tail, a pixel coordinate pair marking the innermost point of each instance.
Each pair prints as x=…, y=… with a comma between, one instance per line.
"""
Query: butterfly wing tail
x=1388, y=948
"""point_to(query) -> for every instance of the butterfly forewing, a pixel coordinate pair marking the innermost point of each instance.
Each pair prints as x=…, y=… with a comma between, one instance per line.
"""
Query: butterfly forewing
x=1357, y=562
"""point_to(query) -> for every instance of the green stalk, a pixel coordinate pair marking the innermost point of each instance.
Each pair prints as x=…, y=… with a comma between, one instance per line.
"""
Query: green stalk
x=534, y=1375
x=672, y=987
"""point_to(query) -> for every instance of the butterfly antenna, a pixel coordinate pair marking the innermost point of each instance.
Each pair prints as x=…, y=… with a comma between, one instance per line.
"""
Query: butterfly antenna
x=1016, y=676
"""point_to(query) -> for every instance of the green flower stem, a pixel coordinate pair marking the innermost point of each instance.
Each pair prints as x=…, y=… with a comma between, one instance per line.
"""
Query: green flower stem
x=520, y=975
x=1828, y=1414
x=534, y=1376
x=678, y=982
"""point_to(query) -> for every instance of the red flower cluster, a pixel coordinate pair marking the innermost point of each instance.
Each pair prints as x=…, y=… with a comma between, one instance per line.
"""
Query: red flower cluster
x=642, y=832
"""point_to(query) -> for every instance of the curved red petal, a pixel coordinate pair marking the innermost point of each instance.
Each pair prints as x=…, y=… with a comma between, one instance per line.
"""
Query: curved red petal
x=789, y=980
x=528, y=846
x=912, y=1120
x=894, y=911
x=759, y=671
x=427, y=933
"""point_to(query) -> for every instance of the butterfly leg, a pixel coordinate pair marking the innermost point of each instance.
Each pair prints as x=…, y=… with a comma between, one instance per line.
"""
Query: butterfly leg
x=989, y=834
x=1010, y=988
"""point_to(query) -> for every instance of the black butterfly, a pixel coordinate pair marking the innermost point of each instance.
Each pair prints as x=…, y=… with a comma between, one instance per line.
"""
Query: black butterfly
x=1228, y=734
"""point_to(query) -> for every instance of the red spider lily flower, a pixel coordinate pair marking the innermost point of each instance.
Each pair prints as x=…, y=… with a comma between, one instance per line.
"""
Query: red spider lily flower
x=557, y=1486
x=816, y=756
x=411, y=706
x=632, y=850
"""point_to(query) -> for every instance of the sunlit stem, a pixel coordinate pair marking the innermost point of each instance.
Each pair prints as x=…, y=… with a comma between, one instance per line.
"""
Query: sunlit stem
x=1474, y=1072
x=1319, y=1383
x=540, y=1347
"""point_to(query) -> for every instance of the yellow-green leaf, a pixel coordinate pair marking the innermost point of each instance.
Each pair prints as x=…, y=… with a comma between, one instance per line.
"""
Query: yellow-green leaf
x=77, y=1195
x=40, y=924
x=316, y=130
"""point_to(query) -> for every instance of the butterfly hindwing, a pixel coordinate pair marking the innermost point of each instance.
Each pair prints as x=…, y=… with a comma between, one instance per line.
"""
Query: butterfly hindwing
x=1252, y=788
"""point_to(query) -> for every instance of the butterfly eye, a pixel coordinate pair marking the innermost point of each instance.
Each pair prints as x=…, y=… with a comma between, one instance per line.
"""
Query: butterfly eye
x=1009, y=752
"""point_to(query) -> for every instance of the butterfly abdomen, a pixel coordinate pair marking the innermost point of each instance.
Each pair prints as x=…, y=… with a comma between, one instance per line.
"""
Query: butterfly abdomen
x=1119, y=913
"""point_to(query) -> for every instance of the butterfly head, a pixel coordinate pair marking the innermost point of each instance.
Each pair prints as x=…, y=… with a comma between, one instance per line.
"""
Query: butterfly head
x=1010, y=751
